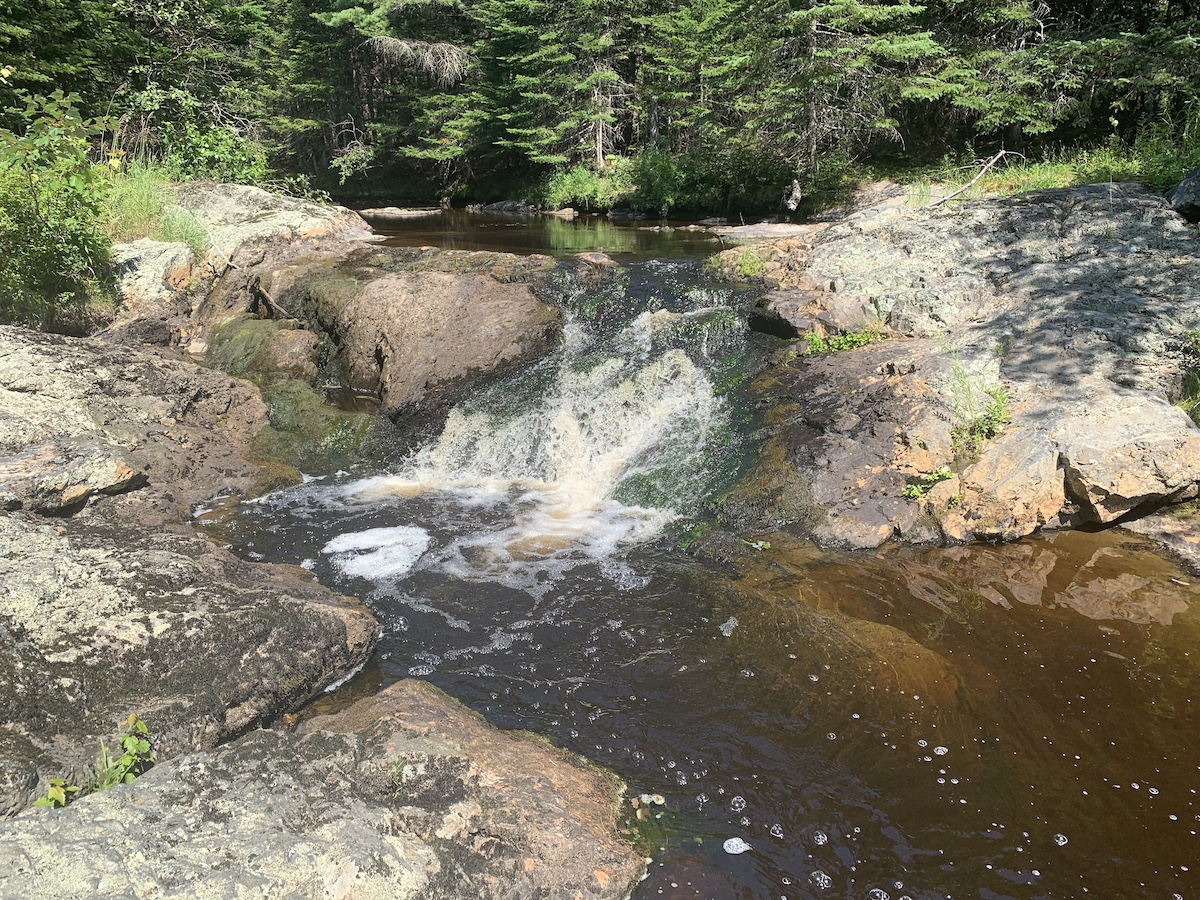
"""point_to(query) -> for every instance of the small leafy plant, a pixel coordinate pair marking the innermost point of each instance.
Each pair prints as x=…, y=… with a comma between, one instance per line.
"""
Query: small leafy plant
x=137, y=755
x=850, y=341
x=916, y=490
x=60, y=793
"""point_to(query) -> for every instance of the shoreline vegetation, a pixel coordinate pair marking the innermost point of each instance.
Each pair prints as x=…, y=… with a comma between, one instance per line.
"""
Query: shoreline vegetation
x=736, y=108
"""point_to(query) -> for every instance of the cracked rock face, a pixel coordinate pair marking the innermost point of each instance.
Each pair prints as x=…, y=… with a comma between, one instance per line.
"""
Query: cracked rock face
x=1072, y=303
x=403, y=795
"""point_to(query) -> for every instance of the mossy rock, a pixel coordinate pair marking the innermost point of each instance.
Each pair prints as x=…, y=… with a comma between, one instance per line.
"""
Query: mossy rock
x=307, y=432
x=234, y=344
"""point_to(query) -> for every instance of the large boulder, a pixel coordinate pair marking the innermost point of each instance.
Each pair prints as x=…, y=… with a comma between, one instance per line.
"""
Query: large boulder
x=1185, y=196
x=1068, y=308
x=99, y=620
x=418, y=331
x=404, y=795
x=84, y=418
x=111, y=605
x=171, y=296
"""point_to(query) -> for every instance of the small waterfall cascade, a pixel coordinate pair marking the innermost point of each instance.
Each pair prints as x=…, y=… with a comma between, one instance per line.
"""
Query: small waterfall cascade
x=597, y=448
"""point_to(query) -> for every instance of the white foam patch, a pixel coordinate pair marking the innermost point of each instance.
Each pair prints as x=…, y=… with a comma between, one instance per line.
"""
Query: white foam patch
x=379, y=552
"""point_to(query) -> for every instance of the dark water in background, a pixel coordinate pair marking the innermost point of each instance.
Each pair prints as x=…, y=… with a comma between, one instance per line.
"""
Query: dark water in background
x=458, y=230
x=1013, y=721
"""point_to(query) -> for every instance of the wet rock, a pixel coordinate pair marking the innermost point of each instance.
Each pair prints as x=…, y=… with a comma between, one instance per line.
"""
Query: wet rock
x=504, y=208
x=795, y=313
x=389, y=214
x=1185, y=196
x=406, y=794
x=860, y=427
x=418, y=340
x=1177, y=529
x=1013, y=490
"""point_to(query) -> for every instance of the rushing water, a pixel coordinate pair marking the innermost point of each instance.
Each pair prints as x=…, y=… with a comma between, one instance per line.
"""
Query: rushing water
x=1013, y=721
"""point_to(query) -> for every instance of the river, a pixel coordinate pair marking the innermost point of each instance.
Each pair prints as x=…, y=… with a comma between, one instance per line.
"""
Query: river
x=1008, y=721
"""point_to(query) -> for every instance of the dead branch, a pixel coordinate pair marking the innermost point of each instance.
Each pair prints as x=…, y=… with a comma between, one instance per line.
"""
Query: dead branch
x=445, y=63
x=987, y=166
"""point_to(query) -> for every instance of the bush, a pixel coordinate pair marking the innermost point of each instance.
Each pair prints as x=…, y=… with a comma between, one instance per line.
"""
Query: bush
x=216, y=152
x=55, y=268
x=582, y=186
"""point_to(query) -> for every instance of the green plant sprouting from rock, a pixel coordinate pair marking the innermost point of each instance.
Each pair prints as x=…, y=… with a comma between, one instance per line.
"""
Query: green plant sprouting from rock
x=850, y=341
x=136, y=756
x=980, y=411
x=915, y=490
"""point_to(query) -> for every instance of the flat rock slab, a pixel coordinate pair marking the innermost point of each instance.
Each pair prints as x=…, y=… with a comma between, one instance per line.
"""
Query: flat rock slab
x=404, y=795
x=1077, y=303
x=99, y=620
x=81, y=419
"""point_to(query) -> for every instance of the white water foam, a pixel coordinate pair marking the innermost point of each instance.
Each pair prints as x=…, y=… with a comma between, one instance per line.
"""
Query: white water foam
x=379, y=552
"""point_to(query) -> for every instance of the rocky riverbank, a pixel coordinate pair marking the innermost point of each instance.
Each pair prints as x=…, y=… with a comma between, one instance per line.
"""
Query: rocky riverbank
x=113, y=604
x=1015, y=369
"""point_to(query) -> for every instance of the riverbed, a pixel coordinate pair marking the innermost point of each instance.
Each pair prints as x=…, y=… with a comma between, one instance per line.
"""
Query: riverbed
x=992, y=721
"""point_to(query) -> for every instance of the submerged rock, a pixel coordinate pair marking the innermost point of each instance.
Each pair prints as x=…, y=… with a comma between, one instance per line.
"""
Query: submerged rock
x=406, y=794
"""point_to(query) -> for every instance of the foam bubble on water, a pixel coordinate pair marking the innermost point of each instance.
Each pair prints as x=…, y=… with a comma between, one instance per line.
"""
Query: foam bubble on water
x=820, y=838
x=379, y=553
x=941, y=751
x=821, y=880
x=738, y=803
x=879, y=894
x=728, y=625
x=777, y=830
x=421, y=671
x=736, y=846
x=1060, y=839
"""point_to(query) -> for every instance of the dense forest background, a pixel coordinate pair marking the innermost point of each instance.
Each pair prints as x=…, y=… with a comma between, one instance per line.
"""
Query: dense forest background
x=713, y=105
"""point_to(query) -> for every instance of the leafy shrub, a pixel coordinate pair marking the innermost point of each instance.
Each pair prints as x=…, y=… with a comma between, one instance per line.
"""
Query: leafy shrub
x=54, y=255
x=217, y=152
x=582, y=186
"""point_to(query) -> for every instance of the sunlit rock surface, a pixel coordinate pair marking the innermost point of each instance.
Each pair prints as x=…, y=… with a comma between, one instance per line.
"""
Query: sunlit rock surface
x=403, y=795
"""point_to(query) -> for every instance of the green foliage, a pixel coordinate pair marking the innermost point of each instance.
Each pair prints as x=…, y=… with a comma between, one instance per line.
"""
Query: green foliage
x=54, y=256
x=217, y=152
x=915, y=490
x=137, y=755
x=837, y=342
x=135, y=758
x=1189, y=399
x=980, y=412
x=583, y=187
x=750, y=263
x=59, y=794
x=648, y=823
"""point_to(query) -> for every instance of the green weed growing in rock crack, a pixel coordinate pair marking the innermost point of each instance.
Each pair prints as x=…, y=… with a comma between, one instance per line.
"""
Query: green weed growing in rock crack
x=1189, y=400
x=136, y=757
x=980, y=412
x=916, y=490
x=837, y=342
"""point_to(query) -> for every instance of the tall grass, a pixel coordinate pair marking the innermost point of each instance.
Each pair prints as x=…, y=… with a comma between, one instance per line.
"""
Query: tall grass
x=141, y=203
x=1158, y=158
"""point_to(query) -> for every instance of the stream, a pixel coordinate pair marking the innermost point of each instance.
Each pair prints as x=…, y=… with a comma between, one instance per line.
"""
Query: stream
x=984, y=721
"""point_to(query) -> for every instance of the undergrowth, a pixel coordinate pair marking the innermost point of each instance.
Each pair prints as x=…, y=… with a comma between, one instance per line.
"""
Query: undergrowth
x=136, y=757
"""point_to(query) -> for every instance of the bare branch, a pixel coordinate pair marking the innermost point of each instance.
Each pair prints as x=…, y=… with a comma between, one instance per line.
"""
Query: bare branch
x=445, y=63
